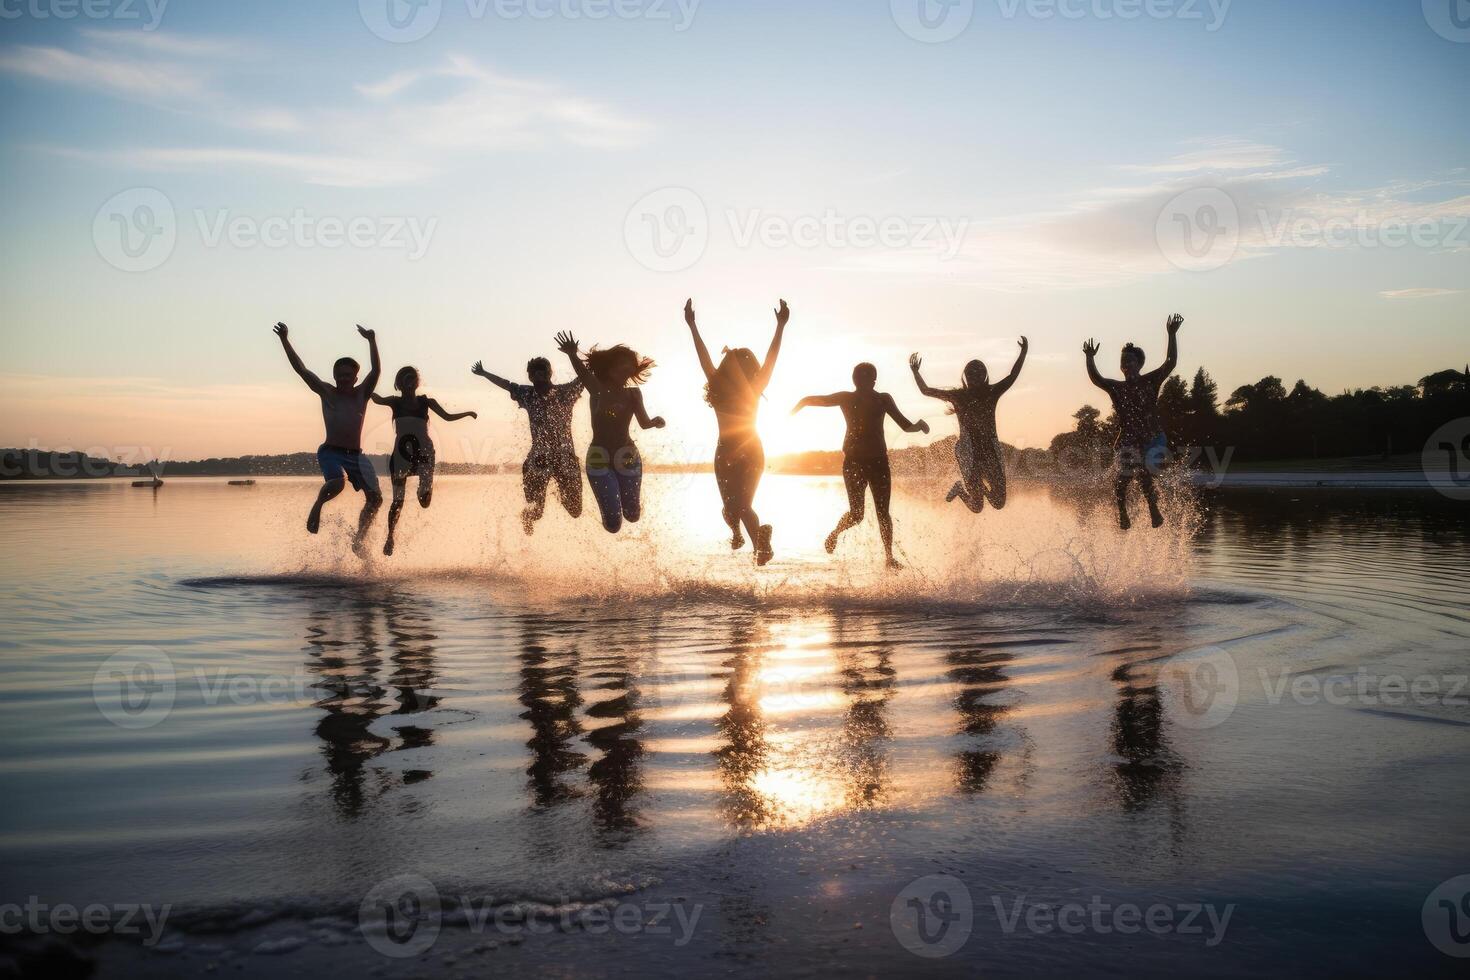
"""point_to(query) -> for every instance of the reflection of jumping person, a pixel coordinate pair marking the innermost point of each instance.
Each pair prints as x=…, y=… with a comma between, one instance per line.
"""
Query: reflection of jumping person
x=865, y=451
x=1141, y=446
x=344, y=406
x=982, y=466
x=614, y=468
x=553, y=455
x=413, y=450
x=734, y=391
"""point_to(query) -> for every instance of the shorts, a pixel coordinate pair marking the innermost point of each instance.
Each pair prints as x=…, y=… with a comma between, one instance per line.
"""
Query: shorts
x=337, y=463
x=411, y=457
x=1151, y=456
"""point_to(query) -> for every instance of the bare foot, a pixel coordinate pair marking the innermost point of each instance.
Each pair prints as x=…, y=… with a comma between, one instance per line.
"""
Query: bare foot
x=528, y=523
x=831, y=544
x=388, y=547
x=1158, y=518
x=737, y=540
x=957, y=490
x=1123, y=520
x=763, y=552
x=314, y=519
x=359, y=547
x=893, y=564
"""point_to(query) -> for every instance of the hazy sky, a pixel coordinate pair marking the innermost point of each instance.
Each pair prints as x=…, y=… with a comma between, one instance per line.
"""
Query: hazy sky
x=940, y=178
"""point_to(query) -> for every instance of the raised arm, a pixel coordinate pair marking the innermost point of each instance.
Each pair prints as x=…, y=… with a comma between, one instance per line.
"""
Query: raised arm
x=915, y=363
x=705, y=363
x=1171, y=359
x=449, y=416
x=494, y=379
x=312, y=381
x=1004, y=385
x=783, y=314
x=1090, y=349
x=567, y=344
x=641, y=413
x=891, y=407
x=375, y=370
x=833, y=400
x=383, y=399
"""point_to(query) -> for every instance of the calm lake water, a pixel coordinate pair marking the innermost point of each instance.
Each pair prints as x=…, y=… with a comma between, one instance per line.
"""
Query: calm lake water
x=1252, y=724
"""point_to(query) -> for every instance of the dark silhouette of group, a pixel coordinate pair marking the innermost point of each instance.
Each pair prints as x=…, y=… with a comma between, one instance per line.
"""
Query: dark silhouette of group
x=612, y=377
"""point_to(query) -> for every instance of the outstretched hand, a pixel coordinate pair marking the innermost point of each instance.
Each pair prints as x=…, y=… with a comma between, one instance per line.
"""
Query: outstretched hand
x=923, y=427
x=689, y=313
x=783, y=314
x=915, y=362
x=1024, y=344
x=281, y=330
x=566, y=343
x=657, y=422
x=479, y=368
x=367, y=334
x=1173, y=324
x=1090, y=348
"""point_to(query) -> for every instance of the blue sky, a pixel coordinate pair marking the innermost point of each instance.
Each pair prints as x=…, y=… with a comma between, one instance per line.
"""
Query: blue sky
x=1027, y=166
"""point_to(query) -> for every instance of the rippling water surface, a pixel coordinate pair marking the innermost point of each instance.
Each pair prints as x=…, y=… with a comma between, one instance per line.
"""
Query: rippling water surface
x=1039, y=706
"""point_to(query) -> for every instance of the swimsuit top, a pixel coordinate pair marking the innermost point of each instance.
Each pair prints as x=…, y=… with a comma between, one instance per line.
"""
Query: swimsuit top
x=612, y=413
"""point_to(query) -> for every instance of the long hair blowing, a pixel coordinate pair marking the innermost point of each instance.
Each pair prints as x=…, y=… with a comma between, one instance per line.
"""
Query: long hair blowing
x=730, y=388
x=603, y=362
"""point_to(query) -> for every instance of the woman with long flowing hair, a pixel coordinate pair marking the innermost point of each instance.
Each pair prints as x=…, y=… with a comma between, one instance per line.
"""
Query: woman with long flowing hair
x=733, y=390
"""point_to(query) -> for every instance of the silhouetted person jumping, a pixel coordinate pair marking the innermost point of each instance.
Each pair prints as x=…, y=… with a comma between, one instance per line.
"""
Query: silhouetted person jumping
x=1141, y=445
x=344, y=406
x=614, y=468
x=734, y=391
x=978, y=453
x=865, y=451
x=553, y=456
x=413, y=450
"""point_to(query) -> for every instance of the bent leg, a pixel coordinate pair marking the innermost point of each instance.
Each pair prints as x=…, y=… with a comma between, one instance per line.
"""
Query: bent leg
x=370, y=509
x=727, y=478
x=991, y=477
x=604, y=486
x=882, y=484
x=568, y=478
x=630, y=492
x=855, y=478
x=395, y=510
x=329, y=490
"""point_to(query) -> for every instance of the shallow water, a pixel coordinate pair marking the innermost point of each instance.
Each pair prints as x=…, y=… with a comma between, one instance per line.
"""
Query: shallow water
x=575, y=717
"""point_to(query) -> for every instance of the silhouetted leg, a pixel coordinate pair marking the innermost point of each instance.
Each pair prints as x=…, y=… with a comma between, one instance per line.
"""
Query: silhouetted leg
x=630, y=492
x=395, y=509
x=727, y=479
x=426, y=479
x=534, y=476
x=856, y=480
x=1146, y=484
x=568, y=476
x=604, y=485
x=1120, y=491
x=329, y=490
x=369, y=511
x=882, y=483
x=967, y=488
x=991, y=475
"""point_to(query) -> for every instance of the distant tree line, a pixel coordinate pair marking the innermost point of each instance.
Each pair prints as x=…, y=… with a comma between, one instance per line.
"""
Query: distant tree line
x=1265, y=420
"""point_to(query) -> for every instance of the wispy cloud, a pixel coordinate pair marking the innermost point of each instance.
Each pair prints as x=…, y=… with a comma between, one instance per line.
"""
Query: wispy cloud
x=1216, y=155
x=405, y=127
x=1420, y=293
